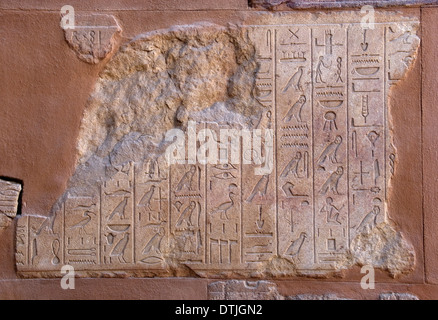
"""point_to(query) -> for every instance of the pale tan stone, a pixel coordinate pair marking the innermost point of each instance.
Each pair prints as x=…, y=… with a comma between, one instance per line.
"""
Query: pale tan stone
x=320, y=82
x=258, y=290
x=318, y=297
x=243, y=290
x=397, y=296
x=9, y=195
x=385, y=248
x=93, y=36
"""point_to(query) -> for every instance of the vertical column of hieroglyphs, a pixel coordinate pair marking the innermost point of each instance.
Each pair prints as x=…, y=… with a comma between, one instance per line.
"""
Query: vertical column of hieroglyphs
x=81, y=231
x=40, y=241
x=151, y=190
x=294, y=144
x=22, y=241
x=187, y=208
x=367, y=119
x=259, y=180
x=117, y=218
x=329, y=45
x=223, y=205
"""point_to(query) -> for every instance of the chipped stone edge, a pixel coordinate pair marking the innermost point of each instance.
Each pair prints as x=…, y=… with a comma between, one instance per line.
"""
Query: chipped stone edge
x=268, y=290
x=113, y=44
x=6, y=217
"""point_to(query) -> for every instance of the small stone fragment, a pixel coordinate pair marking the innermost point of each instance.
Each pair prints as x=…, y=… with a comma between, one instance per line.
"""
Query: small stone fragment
x=397, y=296
x=257, y=290
x=385, y=248
x=9, y=194
x=328, y=296
x=93, y=37
x=243, y=290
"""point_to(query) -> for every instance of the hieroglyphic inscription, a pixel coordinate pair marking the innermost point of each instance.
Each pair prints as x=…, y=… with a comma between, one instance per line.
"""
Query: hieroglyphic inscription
x=9, y=201
x=93, y=36
x=324, y=89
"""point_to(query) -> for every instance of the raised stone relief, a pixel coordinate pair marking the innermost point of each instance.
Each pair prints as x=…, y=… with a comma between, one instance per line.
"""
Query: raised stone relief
x=267, y=290
x=397, y=296
x=93, y=36
x=9, y=195
x=243, y=290
x=304, y=193
x=260, y=290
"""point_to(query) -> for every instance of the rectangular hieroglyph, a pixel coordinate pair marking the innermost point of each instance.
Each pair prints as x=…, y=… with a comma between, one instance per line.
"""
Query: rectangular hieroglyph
x=325, y=90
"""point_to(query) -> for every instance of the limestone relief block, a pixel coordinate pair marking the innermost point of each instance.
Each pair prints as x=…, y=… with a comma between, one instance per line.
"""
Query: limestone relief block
x=267, y=290
x=243, y=290
x=308, y=197
x=93, y=36
x=261, y=290
x=397, y=296
x=9, y=195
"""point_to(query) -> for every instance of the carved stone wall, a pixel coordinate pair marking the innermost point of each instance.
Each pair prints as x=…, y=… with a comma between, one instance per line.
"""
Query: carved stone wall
x=315, y=204
x=334, y=166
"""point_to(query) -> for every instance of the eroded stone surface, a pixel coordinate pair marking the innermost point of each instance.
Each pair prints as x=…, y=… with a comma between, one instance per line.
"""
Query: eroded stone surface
x=308, y=296
x=372, y=248
x=271, y=4
x=313, y=201
x=93, y=36
x=243, y=290
x=257, y=290
x=267, y=290
x=9, y=194
x=397, y=296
